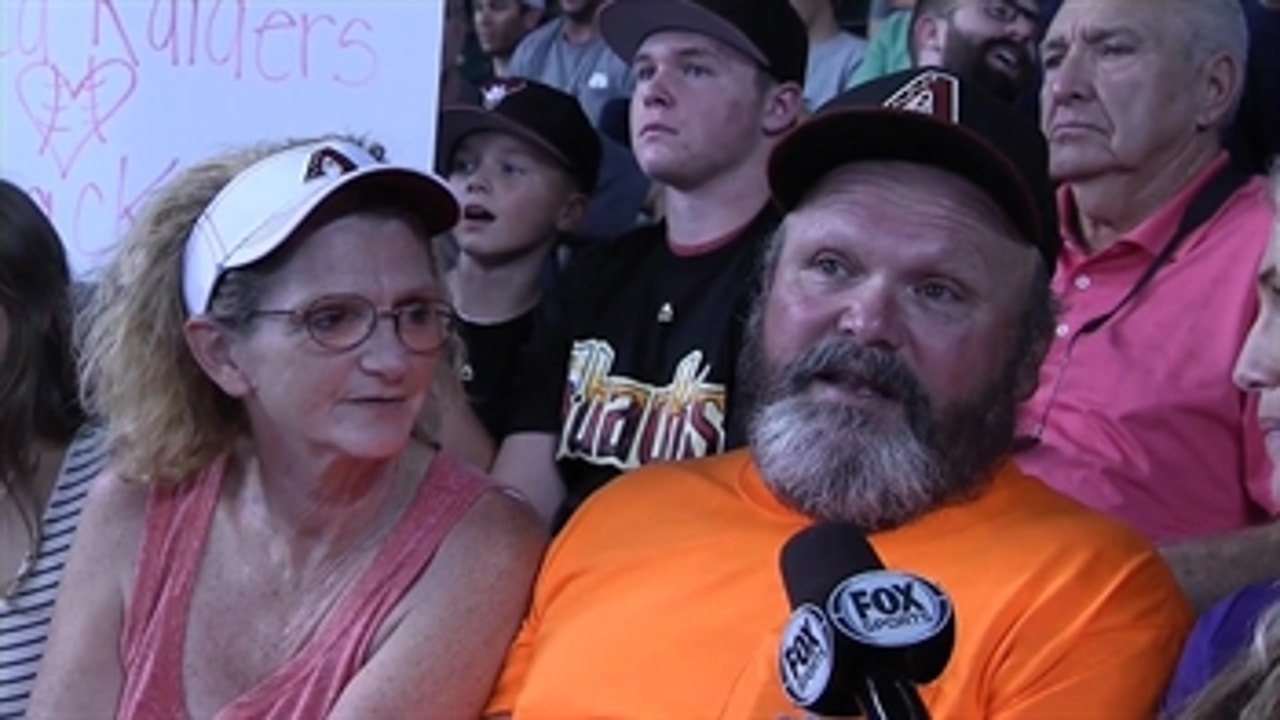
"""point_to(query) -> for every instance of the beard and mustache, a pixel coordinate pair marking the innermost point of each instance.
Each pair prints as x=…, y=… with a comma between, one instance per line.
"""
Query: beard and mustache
x=974, y=58
x=835, y=461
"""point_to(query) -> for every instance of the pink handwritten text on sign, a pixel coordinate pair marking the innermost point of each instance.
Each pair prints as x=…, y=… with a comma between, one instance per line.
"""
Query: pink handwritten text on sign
x=98, y=85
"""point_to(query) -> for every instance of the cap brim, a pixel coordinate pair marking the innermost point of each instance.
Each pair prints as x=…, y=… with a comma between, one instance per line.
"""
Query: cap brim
x=625, y=25
x=839, y=137
x=457, y=123
x=426, y=197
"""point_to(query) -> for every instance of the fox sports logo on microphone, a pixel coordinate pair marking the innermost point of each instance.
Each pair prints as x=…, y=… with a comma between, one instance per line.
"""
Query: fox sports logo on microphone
x=889, y=609
x=806, y=656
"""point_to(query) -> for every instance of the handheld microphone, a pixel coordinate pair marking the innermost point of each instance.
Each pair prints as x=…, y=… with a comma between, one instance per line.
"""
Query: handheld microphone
x=860, y=637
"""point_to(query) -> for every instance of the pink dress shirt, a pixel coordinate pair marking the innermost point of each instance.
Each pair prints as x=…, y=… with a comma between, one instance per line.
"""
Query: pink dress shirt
x=1140, y=419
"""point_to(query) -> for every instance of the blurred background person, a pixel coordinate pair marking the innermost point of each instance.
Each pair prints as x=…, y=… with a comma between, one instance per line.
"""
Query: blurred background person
x=48, y=453
x=888, y=33
x=500, y=25
x=834, y=55
x=455, y=88
x=994, y=42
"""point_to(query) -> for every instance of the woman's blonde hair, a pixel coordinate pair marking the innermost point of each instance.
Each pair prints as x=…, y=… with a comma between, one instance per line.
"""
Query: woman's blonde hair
x=166, y=420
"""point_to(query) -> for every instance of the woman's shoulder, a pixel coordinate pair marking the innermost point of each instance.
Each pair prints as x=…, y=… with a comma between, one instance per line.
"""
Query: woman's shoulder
x=499, y=527
x=115, y=508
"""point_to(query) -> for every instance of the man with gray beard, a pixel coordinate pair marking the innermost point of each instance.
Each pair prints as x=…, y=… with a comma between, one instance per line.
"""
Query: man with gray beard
x=904, y=312
x=834, y=460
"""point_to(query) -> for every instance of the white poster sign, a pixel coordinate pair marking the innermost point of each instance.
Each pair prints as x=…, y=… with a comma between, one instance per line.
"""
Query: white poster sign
x=105, y=100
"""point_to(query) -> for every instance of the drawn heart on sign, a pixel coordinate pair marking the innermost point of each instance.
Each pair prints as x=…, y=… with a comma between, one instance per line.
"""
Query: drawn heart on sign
x=50, y=98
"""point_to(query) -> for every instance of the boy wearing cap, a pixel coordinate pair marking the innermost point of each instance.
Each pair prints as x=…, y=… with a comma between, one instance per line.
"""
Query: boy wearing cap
x=644, y=368
x=904, y=312
x=522, y=166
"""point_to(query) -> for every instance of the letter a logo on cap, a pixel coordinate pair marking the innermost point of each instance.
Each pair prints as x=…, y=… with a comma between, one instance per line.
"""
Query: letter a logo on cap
x=932, y=93
x=327, y=162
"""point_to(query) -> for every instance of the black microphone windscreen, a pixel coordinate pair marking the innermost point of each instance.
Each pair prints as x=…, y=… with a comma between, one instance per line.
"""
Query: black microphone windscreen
x=817, y=559
x=896, y=622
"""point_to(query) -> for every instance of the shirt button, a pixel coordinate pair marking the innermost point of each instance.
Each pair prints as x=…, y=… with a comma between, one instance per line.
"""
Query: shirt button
x=1062, y=330
x=1083, y=282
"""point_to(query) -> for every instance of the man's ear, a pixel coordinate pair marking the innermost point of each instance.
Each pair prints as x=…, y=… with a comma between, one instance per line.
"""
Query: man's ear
x=572, y=212
x=927, y=33
x=214, y=348
x=1220, y=81
x=783, y=106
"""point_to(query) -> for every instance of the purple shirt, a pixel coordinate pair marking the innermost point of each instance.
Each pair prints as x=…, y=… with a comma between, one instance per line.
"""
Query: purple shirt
x=1222, y=633
x=1140, y=419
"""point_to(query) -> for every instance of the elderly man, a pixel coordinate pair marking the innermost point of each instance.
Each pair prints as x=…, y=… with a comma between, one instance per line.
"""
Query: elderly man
x=904, y=312
x=1136, y=414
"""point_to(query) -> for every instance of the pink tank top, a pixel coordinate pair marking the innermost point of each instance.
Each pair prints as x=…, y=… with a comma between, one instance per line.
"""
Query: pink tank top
x=307, y=685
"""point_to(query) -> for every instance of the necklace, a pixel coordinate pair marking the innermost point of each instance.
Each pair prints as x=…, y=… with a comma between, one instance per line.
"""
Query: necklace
x=28, y=563
x=18, y=580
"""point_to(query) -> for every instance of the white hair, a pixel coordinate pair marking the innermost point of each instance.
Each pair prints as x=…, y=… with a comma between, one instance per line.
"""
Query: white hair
x=1212, y=27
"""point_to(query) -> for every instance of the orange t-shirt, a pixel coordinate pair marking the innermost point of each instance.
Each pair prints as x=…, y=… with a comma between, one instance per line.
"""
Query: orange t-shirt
x=662, y=598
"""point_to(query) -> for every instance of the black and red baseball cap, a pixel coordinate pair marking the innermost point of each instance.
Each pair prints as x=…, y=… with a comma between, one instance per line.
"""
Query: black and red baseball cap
x=769, y=32
x=931, y=117
x=549, y=118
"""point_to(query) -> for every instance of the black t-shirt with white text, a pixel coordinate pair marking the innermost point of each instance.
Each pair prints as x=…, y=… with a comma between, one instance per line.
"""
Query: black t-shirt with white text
x=652, y=340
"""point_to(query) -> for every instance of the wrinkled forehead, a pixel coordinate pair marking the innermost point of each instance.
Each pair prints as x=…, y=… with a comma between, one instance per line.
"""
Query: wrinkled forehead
x=1085, y=19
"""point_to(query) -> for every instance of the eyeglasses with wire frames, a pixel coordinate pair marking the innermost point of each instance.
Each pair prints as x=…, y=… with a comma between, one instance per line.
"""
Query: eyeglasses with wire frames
x=343, y=322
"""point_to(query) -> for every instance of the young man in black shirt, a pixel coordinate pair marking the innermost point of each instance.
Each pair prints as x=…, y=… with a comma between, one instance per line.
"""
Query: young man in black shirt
x=641, y=367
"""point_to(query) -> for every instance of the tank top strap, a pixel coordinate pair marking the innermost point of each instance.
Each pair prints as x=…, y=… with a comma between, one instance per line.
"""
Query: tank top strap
x=151, y=641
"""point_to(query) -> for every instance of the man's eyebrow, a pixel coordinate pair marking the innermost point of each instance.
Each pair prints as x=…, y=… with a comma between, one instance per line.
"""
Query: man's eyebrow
x=1098, y=35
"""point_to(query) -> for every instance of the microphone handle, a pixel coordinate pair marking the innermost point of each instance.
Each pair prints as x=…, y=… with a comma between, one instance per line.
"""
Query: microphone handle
x=885, y=699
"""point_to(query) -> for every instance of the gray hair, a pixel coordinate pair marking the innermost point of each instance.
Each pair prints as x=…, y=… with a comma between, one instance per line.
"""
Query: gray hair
x=1212, y=27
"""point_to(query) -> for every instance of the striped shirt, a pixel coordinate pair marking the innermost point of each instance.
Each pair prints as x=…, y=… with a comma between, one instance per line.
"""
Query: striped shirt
x=24, y=622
